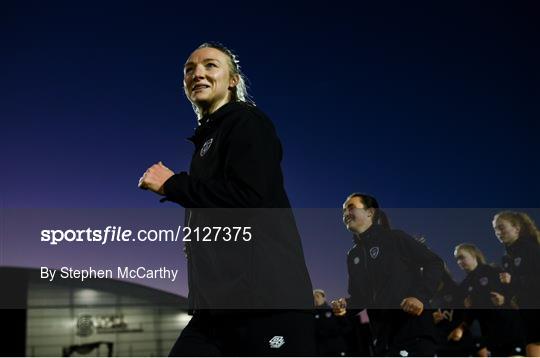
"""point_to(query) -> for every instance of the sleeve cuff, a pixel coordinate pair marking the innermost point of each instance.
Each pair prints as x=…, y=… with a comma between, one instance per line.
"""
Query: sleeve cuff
x=173, y=188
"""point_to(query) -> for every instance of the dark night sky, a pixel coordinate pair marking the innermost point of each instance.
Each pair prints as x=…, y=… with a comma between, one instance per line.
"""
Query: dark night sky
x=423, y=106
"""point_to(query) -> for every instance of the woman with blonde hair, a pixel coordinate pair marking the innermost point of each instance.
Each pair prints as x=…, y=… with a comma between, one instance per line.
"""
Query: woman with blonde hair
x=251, y=296
x=521, y=239
x=486, y=301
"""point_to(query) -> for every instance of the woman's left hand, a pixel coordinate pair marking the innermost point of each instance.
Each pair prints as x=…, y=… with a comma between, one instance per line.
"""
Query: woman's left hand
x=497, y=299
x=412, y=305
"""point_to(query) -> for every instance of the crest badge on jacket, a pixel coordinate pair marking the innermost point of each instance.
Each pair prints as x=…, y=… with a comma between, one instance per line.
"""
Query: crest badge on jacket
x=206, y=146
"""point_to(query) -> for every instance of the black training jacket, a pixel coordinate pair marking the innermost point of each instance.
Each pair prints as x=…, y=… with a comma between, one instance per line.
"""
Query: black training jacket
x=235, y=180
x=500, y=326
x=523, y=263
x=386, y=266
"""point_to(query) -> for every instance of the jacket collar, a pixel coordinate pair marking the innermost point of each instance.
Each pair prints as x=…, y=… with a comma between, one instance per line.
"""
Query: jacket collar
x=369, y=234
x=519, y=244
x=211, y=121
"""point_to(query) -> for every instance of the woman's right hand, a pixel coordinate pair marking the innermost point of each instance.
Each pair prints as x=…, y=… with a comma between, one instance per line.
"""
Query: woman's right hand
x=505, y=277
x=456, y=334
x=483, y=352
x=437, y=316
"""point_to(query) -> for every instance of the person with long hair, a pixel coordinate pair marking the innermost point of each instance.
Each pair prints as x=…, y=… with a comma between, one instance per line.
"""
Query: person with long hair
x=392, y=275
x=521, y=239
x=251, y=295
x=486, y=301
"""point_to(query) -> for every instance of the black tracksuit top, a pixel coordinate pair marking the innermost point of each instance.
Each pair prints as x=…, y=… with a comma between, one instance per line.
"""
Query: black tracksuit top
x=523, y=263
x=236, y=165
x=499, y=325
x=479, y=283
x=385, y=267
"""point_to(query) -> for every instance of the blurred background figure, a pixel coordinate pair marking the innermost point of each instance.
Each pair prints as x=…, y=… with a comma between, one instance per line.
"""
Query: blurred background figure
x=448, y=311
x=485, y=300
x=328, y=330
x=521, y=270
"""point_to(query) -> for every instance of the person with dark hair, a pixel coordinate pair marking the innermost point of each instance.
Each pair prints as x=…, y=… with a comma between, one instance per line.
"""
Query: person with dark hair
x=250, y=296
x=486, y=301
x=394, y=276
x=521, y=239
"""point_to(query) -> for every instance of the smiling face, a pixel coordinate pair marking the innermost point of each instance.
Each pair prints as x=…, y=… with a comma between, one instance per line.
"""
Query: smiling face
x=356, y=218
x=208, y=81
x=465, y=260
x=505, y=231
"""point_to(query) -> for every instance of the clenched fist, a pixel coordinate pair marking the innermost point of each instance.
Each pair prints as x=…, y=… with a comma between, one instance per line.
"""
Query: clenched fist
x=505, y=277
x=154, y=178
x=339, y=307
x=497, y=299
x=438, y=316
x=456, y=334
x=412, y=305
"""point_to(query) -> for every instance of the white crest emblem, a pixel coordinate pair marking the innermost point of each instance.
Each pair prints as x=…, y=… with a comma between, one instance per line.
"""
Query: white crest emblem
x=328, y=314
x=356, y=260
x=374, y=252
x=483, y=281
x=517, y=261
x=206, y=146
x=470, y=289
x=277, y=342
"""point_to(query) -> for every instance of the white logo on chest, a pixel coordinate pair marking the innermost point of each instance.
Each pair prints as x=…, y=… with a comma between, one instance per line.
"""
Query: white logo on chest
x=206, y=146
x=374, y=252
x=484, y=281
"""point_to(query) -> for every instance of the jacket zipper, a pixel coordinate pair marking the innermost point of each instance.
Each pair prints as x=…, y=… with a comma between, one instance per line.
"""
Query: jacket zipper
x=373, y=295
x=188, y=252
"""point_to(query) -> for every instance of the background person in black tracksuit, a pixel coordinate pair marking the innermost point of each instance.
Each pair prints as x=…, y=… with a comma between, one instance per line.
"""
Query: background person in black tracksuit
x=448, y=313
x=329, y=330
x=236, y=164
x=394, y=276
x=486, y=300
x=521, y=266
